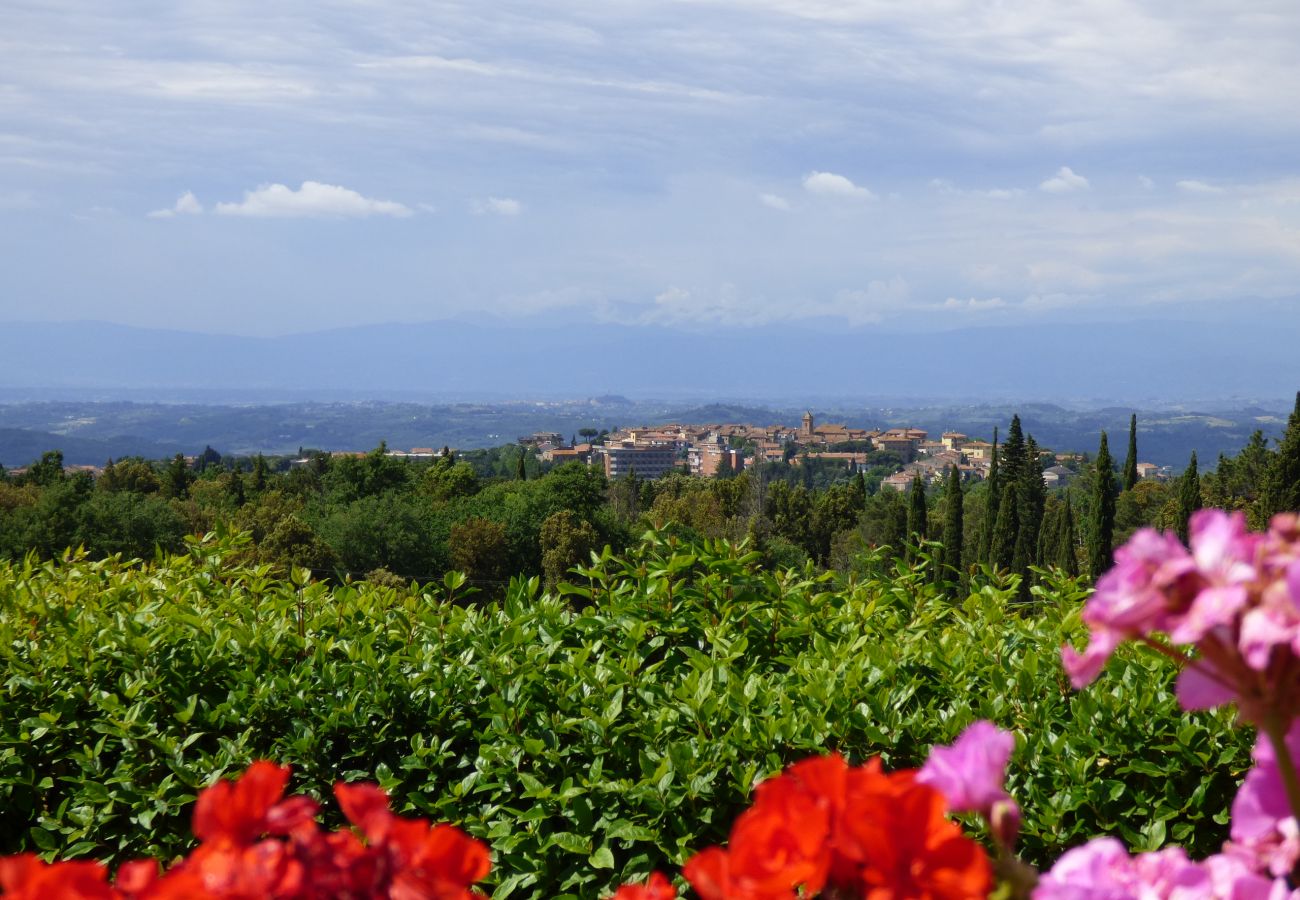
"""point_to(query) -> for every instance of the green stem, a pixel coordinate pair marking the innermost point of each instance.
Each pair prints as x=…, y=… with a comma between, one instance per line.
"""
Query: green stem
x=1275, y=727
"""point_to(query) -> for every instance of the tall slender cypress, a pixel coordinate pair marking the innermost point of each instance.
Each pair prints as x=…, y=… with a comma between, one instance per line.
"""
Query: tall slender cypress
x=1013, y=453
x=1130, y=475
x=1003, y=546
x=1281, y=488
x=991, y=501
x=1030, y=492
x=916, y=512
x=1101, y=534
x=953, y=502
x=521, y=472
x=1189, y=497
x=1030, y=495
x=1065, y=558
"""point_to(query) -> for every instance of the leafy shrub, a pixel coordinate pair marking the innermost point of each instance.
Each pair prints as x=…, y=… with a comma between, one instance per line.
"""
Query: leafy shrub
x=588, y=734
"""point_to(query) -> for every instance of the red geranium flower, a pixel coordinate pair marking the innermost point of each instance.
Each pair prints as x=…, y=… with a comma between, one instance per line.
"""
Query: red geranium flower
x=24, y=877
x=243, y=810
x=415, y=861
x=657, y=888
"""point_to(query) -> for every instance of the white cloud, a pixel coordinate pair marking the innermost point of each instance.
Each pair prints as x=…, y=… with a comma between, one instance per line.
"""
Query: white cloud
x=832, y=185
x=775, y=202
x=313, y=199
x=1064, y=181
x=974, y=304
x=947, y=188
x=497, y=206
x=1192, y=186
x=186, y=205
x=1147, y=183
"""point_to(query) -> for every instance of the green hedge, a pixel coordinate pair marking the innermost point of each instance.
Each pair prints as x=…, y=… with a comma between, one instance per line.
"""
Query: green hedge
x=587, y=736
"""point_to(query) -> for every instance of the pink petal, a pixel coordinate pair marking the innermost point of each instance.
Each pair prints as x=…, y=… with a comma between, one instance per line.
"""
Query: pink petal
x=1197, y=688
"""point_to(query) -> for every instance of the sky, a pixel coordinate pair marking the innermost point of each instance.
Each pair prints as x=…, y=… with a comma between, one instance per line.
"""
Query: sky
x=276, y=167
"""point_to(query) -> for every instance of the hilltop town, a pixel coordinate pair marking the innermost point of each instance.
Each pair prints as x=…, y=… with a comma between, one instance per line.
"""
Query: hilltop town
x=707, y=450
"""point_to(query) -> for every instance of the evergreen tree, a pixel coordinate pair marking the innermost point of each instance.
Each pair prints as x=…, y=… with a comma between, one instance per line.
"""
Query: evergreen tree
x=860, y=488
x=1189, y=497
x=725, y=468
x=893, y=522
x=259, y=473
x=1065, y=558
x=1281, y=489
x=521, y=472
x=916, y=513
x=1101, y=534
x=1003, y=545
x=1013, y=454
x=953, y=502
x=236, y=489
x=1130, y=475
x=983, y=550
x=1030, y=492
x=178, y=477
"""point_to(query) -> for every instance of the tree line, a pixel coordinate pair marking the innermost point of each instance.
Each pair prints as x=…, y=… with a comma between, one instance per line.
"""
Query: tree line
x=498, y=513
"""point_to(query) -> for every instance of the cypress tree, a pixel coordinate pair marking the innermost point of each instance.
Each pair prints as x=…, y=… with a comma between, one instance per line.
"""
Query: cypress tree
x=1030, y=496
x=1189, y=497
x=894, y=522
x=1101, y=535
x=237, y=488
x=1281, y=488
x=1130, y=476
x=1003, y=545
x=916, y=512
x=521, y=473
x=1013, y=453
x=991, y=502
x=1050, y=533
x=178, y=477
x=259, y=473
x=952, y=526
x=1065, y=558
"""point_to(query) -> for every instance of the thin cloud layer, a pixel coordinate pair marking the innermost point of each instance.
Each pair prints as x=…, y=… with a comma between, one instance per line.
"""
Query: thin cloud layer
x=737, y=161
x=312, y=200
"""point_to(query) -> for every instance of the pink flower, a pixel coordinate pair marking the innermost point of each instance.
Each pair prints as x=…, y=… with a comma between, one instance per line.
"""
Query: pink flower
x=1102, y=870
x=1198, y=687
x=1132, y=599
x=1264, y=831
x=1232, y=879
x=971, y=772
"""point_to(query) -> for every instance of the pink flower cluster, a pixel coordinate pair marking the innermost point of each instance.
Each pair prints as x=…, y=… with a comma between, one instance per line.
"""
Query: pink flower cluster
x=1235, y=596
x=1103, y=870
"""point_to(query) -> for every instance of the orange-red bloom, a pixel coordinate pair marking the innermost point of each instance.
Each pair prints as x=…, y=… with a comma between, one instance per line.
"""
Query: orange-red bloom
x=414, y=860
x=243, y=810
x=656, y=888
x=24, y=877
x=864, y=832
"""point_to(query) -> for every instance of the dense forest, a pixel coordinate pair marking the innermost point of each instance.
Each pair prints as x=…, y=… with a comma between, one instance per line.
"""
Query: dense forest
x=497, y=513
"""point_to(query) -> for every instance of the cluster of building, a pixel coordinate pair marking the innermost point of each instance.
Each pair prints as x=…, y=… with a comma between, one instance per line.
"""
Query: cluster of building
x=706, y=450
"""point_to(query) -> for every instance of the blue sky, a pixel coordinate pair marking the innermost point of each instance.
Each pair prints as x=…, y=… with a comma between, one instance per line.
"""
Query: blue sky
x=270, y=167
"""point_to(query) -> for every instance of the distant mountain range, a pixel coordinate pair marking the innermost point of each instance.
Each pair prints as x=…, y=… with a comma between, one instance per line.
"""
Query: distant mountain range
x=1089, y=364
